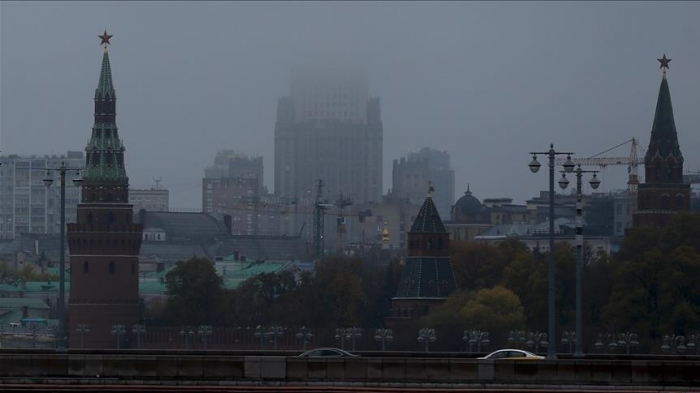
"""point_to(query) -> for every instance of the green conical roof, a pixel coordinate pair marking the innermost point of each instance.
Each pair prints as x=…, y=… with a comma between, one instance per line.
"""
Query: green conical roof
x=664, y=139
x=428, y=219
x=105, y=151
x=105, y=88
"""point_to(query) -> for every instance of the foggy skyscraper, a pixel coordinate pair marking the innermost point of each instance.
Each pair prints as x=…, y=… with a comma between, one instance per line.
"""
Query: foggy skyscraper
x=328, y=128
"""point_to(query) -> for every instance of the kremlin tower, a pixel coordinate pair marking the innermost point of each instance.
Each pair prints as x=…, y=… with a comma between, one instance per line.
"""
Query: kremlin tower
x=104, y=243
x=663, y=193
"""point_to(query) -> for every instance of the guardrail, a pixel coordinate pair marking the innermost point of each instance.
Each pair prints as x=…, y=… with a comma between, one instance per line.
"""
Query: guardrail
x=214, y=368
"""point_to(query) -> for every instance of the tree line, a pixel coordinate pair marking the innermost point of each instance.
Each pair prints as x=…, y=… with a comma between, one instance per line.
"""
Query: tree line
x=647, y=287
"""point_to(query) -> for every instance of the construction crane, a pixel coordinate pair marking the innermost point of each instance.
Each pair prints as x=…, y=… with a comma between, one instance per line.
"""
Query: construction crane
x=319, y=211
x=632, y=162
x=341, y=203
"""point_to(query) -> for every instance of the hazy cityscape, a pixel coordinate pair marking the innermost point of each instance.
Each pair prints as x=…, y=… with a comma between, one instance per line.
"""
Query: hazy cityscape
x=453, y=184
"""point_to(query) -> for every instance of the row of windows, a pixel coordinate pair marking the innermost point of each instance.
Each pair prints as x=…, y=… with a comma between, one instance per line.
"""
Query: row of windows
x=111, y=269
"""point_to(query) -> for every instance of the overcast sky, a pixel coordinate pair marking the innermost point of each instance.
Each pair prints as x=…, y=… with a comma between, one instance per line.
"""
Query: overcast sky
x=488, y=82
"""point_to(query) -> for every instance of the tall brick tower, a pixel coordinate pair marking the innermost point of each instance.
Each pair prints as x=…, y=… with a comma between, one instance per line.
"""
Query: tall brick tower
x=663, y=193
x=427, y=280
x=104, y=243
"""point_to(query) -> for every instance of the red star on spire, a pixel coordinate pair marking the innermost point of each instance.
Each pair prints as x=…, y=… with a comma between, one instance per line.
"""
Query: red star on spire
x=664, y=62
x=105, y=38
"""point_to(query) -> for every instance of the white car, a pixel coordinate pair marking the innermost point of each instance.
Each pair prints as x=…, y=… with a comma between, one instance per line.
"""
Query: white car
x=512, y=354
x=326, y=353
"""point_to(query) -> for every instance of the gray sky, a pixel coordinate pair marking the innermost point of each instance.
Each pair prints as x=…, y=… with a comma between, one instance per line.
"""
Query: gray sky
x=488, y=82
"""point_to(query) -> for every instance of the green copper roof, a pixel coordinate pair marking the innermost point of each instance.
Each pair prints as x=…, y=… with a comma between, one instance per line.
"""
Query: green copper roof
x=105, y=88
x=428, y=219
x=105, y=151
x=664, y=139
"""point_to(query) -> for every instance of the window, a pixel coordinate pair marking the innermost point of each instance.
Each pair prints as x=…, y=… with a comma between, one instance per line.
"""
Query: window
x=110, y=217
x=86, y=267
x=111, y=267
x=133, y=268
x=619, y=209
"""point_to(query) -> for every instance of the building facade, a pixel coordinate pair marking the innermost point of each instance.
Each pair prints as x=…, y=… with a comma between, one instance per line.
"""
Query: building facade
x=663, y=193
x=328, y=128
x=411, y=174
x=26, y=204
x=155, y=199
x=233, y=185
x=104, y=242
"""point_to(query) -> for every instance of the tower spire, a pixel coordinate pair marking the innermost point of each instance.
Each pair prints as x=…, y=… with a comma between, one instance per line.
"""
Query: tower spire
x=664, y=139
x=105, y=152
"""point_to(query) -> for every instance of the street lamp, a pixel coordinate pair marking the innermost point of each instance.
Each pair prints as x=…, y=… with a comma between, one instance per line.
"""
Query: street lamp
x=260, y=333
x=674, y=343
x=305, y=336
x=537, y=340
x=515, y=337
x=594, y=182
x=694, y=342
x=627, y=340
x=62, y=170
x=426, y=336
x=82, y=328
x=569, y=338
x=187, y=332
x=275, y=332
x=477, y=337
x=568, y=167
x=383, y=335
x=204, y=331
x=138, y=330
x=118, y=330
x=603, y=339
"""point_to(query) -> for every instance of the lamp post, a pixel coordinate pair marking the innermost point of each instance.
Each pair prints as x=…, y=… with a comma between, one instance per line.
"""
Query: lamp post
x=694, y=342
x=674, y=343
x=627, y=340
x=187, y=332
x=603, y=339
x=516, y=336
x=305, y=336
x=62, y=170
x=260, y=333
x=82, y=328
x=594, y=182
x=204, y=331
x=118, y=330
x=569, y=338
x=568, y=167
x=138, y=330
x=275, y=332
x=477, y=337
x=537, y=340
x=426, y=336
x=383, y=335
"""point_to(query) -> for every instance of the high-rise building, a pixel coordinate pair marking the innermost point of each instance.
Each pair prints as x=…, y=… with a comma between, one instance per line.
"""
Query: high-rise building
x=663, y=193
x=328, y=128
x=411, y=175
x=104, y=242
x=233, y=185
x=26, y=204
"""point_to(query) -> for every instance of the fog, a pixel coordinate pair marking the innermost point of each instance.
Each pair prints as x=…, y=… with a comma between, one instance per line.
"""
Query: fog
x=488, y=82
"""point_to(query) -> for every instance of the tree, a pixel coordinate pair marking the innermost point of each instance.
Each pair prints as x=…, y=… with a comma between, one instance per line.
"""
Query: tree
x=195, y=293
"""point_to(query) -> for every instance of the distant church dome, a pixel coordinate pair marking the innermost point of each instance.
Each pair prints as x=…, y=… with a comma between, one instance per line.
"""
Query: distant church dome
x=467, y=204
